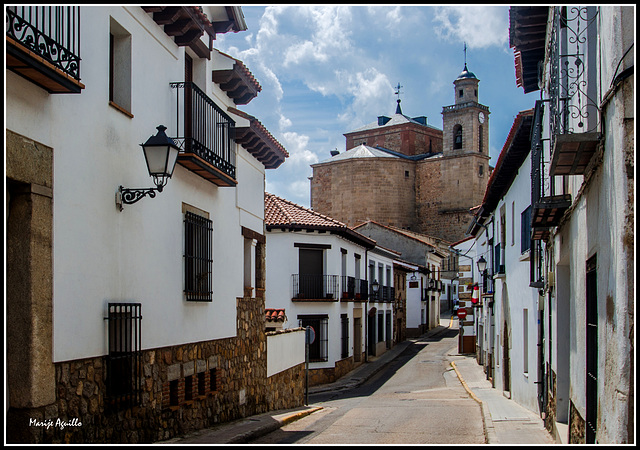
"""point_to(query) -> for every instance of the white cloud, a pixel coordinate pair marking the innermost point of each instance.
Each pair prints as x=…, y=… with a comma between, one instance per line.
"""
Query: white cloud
x=478, y=26
x=297, y=146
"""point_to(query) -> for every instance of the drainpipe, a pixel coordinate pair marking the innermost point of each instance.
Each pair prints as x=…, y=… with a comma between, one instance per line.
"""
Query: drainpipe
x=366, y=301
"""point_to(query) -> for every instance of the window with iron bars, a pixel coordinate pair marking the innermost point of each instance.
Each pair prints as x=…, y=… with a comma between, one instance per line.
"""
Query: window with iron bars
x=124, y=358
x=345, y=335
x=198, y=262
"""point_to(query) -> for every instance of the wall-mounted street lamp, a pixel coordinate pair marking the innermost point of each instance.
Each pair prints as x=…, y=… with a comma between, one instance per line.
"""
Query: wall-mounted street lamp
x=482, y=264
x=375, y=286
x=161, y=154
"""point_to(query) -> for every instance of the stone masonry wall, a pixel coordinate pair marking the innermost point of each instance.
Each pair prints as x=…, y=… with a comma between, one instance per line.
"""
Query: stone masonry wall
x=410, y=139
x=184, y=388
x=380, y=189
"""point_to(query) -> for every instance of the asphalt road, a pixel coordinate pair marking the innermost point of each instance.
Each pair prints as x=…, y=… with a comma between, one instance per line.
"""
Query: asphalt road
x=415, y=399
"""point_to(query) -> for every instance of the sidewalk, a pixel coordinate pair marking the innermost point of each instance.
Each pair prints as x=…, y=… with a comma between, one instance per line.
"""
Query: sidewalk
x=505, y=421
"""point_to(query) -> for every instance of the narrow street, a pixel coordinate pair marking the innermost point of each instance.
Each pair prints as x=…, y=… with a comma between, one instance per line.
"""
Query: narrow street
x=415, y=399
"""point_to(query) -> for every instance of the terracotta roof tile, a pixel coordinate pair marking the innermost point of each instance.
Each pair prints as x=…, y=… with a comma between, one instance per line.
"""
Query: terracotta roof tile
x=281, y=213
x=275, y=315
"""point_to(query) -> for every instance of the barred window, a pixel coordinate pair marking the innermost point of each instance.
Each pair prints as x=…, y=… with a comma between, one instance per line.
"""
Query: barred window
x=525, y=227
x=124, y=358
x=345, y=336
x=198, y=263
x=319, y=348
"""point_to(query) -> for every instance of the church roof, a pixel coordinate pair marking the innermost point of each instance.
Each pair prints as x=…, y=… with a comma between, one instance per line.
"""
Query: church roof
x=364, y=151
x=361, y=151
x=396, y=119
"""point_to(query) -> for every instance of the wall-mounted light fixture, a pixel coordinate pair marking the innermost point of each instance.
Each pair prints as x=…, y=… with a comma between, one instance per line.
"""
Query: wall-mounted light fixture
x=161, y=154
x=375, y=286
x=482, y=264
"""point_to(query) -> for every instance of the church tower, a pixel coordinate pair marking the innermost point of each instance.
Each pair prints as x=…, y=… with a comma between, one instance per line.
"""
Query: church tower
x=448, y=187
x=465, y=125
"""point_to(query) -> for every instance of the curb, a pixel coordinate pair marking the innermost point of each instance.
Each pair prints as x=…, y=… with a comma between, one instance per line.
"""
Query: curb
x=487, y=423
x=244, y=438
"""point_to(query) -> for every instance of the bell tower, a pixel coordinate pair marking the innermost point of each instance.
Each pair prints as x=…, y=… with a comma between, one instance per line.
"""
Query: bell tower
x=465, y=124
x=443, y=207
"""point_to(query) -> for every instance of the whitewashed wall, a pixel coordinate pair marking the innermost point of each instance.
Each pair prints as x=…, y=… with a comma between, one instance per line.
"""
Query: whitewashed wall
x=285, y=350
x=102, y=255
x=282, y=262
x=517, y=294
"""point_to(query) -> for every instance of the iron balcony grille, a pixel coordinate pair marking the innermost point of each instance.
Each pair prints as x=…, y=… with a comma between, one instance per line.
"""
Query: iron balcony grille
x=354, y=288
x=310, y=286
x=51, y=32
x=207, y=131
x=572, y=87
x=198, y=262
x=124, y=358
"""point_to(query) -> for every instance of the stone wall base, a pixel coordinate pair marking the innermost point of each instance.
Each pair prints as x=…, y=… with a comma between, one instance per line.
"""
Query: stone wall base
x=182, y=388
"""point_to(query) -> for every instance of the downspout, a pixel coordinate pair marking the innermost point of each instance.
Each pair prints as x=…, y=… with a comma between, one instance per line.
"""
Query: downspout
x=366, y=301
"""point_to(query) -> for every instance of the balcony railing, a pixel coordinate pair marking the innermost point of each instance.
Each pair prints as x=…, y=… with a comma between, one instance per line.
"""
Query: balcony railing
x=43, y=45
x=548, y=207
x=207, y=135
x=574, y=113
x=315, y=287
x=354, y=288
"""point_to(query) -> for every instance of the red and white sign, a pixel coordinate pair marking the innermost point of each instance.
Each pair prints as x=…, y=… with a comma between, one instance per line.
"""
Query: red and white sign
x=462, y=313
x=475, y=296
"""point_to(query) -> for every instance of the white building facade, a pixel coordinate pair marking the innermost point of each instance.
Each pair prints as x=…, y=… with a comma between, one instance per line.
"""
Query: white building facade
x=509, y=309
x=133, y=298
x=582, y=213
x=319, y=272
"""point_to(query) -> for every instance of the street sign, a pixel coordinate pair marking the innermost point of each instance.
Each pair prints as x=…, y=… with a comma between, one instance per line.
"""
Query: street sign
x=310, y=335
x=462, y=313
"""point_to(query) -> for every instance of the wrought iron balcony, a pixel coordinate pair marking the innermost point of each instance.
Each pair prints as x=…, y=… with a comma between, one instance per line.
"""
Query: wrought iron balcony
x=354, y=289
x=547, y=206
x=43, y=46
x=574, y=114
x=315, y=287
x=207, y=136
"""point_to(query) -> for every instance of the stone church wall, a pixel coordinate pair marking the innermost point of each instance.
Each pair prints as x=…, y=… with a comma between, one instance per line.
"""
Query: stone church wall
x=354, y=191
x=409, y=139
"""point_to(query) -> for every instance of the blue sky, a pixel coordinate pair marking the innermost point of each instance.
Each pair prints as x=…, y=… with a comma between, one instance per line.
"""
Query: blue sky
x=326, y=70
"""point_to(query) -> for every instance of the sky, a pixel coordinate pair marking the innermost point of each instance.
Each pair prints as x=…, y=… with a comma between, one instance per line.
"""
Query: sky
x=326, y=70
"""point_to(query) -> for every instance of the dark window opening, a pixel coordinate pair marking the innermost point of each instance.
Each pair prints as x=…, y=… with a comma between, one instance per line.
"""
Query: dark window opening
x=525, y=227
x=457, y=137
x=318, y=349
x=198, y=262
x=345, y=336
x=188, y=388
x=124, y=358
x=173, y=393
x=201, y=384
x=460, y=93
